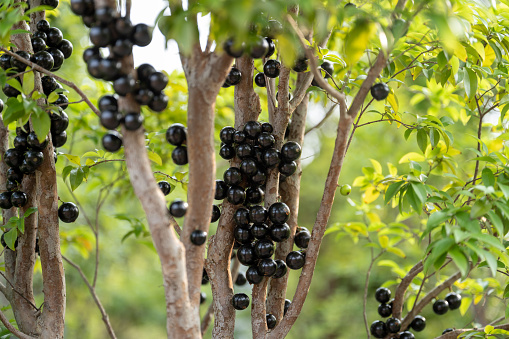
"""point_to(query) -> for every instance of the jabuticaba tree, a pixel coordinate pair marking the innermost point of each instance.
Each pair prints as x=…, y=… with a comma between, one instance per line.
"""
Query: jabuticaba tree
x=425, y=66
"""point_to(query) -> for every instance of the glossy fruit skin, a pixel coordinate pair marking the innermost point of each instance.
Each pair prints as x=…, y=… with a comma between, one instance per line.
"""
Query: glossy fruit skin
x=144, y=71
x=112, y=141
x=406, y=335
x=141, y=35
x=384, y=310
x=62, y=101
x=272, y=68
x=108, y=103
x=38, y=44
x=179, y=155
x=259, y=80
x=418, y=323
x=244, y=151
x=19, y=199
x=59, y=122
x=241, y=216
x=143, y=96
x=272, y=48
x=159, y=103
x=295, y=260
x=158, y=81
x=104, y=15
x=26, y=168
x=287, y=168
x=165, y=187
x=91, y=52
x=133, y=121
x=440, y=307
x=178, y=208
x=122, y=47
x=227, y=152
x=221, y=190
x=271, y=158
x=226, y=134
x=14, y=174
x=10, y=91
x=11, y=185
x=124, y=85
x=328, y=68
x=291, y=151
x=176, y=134
x=5, y=61
x=288, y=302
x=100, y=36
x=240, y=301
x=246, y=255
x=252, y=129
x=216, y=213
x=393, y=325
x=301, y=65
x=234, y=77
x=252, y=275
x=42, y=25
x=82, y=7
x=378, y=329
x=259, y=231
x=110, y=69
x=279, y=213
x=13, y=157
x=58, y=58
x=266, y=140
x=242, y=235
x=380, y=91
x=280, y=232
x=110, y=119
x=232, y=49
x=259, y=49
x=271, y=321
x=345, y=189
x=68, y=212
x=447, y=330
x=198, y=237
x=5, y=200
x=34, y=158
x=241, y=279
x=254, y=195
x=59, y=140
x=257, y=214
x=264, y=248
x=267, y=267
x=280, y=270
x=239, y=137
x=18, y=65
x=383, y=294
x=454, y=300
x=123, y=27
x=232, y=176
x=236, y=195
x=302, y=239
x=258, y=179
x=66, y=48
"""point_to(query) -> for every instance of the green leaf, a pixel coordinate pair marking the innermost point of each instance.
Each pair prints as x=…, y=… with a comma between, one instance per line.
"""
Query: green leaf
x=504, y=189
x=460, y=260
x=155, y=158
x=28, y=83
x=357, y=40
x=497, y=223
x=66, y=171
x=10, y=237
x=16, y=84
x=76, y=177
x=470, y=82
x=29, y=212
x=42, y=125
x=413, y=199
x=396, y=251
x=73, y=158
x=392, y=190
x=488, y=178
x=53, y=96
x=383, y=240
x=480, y=208
x=422, y=140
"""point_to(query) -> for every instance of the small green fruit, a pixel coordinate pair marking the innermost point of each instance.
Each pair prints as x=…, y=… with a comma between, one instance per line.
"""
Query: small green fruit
x=345, y=189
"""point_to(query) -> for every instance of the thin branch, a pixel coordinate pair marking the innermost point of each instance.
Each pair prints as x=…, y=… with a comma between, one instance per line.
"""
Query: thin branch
x=366, y=285
x=56, y=77
x=327, y=115
x=13, y=329
x=104, y=161
x=454, y=334
x=105, y=317
x=397, y=304
x=17, y=292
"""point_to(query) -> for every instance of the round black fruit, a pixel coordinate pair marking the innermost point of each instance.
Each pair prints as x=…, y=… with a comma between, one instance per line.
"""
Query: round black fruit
x=259, y=80
x=233, y=78
x=257, y=214
x=165, y=187
x=111, y=119
x=328, y=68
x=82, y=7
x=266, y=140
x=241, y=216
x=447, y=330
x=418, y=323
x=246, y=255
x=242, y=235
x=259, y=48
x=10, y=91
x=272, y=48
x=133, y=121
x=301, y=65
x=59, y=140
x=19, y=65
x=259, y=231
x=252, y=275
x=90, y=53
x=454, y=300
x=143, y=96
x=280, y=232
x=100, y=36
x=19, y=199
x=110, y=68
x=264, y=248
x=258, y=179
x=280, y=270
x=232, y=176
x=124, y=85
x=383, y=294
x=176, y=134
x=226, y=134
x=254, y=195
x=20, y=142
x=267, y=267
x=440, y=307
x=271, y=158
x=279, y=213
x=287, y=168
x=179, y=155
x=34, y=158
x=66, y=48
x=123, y=27
x=271, y=321
x=252, y=129
x=216, y=213
x=406, y=335
x=244, y=151
x=380, y=91
x=159, y=103
x=144, y=71
x=13, y=157
x=221, y=190
x=59, y=122
x=14, y=174
x=42, y=25
x=378, y=329
x=272, y=68
x=112, y=141
x=385, y=310
x=68, y=212
x=141, y=35
x=198, y=237
x=240, y=301
x=227, y=152
x=233, y=49
x=38, y=44
x=393, y=325
x=295, y=260
x=108, y=103
x=302, y=239
x=241, y=279
x=11, y=185
x=122, y=47
x=158, y=81
x=62, y=101
x=5, y=200
x=58, y=58
x=291, y=151
x=178, y=208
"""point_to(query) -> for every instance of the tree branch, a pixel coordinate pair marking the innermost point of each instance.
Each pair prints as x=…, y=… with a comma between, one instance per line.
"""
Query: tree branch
x=399, y=295
x=11, y=328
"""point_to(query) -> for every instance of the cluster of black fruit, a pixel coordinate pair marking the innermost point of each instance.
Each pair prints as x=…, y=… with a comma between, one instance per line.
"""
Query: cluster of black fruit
x=51, y=3
x=392, y=326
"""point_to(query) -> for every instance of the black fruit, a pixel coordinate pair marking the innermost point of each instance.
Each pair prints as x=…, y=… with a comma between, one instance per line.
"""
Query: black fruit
x=271, y=158
x=254, y=195
x=13, y=157
x=291, y=151
x=141, y=35
x=271, y=321
x=385, y=310
x=112, y=141
x=242, y=235
x=123, y=27
x=144, y=71
x=227, y=152
x=203, y=297
x=240, y=301
x=176, y=134
x=280, y=232
x=244, y=151
x=226, y=134
x=122, y=47
x=158, y=81
x=94, y=67
x=287, y=305
x=302, y=239
x=165, y=187
x=239, y=137
x=252, y=275
x=393, y=325
x=133, y=121
x=58, y=58
x=264, y=248
x=10, y=91
x=19, y=199
x=68, y=212
x=232, y=49
x=272, y=68
x=221, y=190
x=14, y=174
x=143, y=96
x=248, y=167
x=178, y=208
x=59, y=140
x=124, y=85
x=246, y=255
x=267, y=267
x=418, y=323
x=38, y=44
x=295, y=260
x=281, y=269
x=266, y=140
x=159, y=103
x=198, y=237
x=179, y=155
x=108, y=103
x=110, y=119
x=328, y=68
x=104, y=15
x=258, y=179
x=59, y=122
x=100, y=36
x=406, y=335
x=287, y=168
x=301, y=65
x=259, y=231
x=272, y=48
x=383, y=294
x=257, y=214
x=11, y=185
x=454, y=300
x=90, y=53
x=447, y=330
x=42, y=25
x=34, y=158
x=232, y=176
x=380, y=91
x=259, y=80
x=62, y=101
x=378, y=329
x=241, y=279
x=241, y=216
x=252, y=129
x=233, y=78
x=440, y=307
x=82, y=7
x=20, y=66
x=279, y=213
x=5, y=61
x=216, y=213
x=66, y=48
x=110, y=69
x=5, y=200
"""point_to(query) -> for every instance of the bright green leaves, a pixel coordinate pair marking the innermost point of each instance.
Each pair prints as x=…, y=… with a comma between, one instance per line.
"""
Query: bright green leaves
x=41, y=123
x=470, y=82
x=357, y=40
x=76, y=175
x=16, y=225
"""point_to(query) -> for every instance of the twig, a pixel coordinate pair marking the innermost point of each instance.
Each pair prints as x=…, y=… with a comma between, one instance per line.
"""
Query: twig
x=366, y=285
x=13, y=329
x=17, y=292
x=53, y=75
x=105, y=317
x=327, y=115
x=104, y=161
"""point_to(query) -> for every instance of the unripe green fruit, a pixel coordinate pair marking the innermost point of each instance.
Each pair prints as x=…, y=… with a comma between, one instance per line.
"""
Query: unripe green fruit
x=345, y=189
